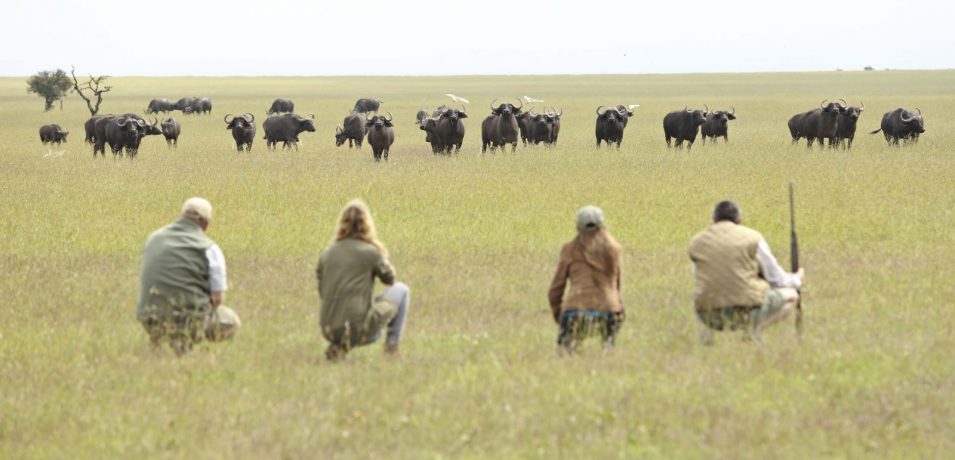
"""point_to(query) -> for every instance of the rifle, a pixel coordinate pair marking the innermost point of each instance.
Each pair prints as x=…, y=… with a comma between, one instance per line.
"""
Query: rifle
x=794, y=253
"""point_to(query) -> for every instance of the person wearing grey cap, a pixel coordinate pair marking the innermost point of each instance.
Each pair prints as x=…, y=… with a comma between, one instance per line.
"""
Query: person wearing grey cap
x=183, y=283
x=739, y=283
x=591, y=263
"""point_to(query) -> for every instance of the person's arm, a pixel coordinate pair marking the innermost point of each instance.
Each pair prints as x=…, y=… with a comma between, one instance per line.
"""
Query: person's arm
x=772, y=272
x=384, y=271
x=217, y=276
x=556, y=292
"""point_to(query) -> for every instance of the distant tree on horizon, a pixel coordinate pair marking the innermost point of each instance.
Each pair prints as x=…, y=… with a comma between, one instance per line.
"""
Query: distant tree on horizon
x=51, y=85
x=93, y=87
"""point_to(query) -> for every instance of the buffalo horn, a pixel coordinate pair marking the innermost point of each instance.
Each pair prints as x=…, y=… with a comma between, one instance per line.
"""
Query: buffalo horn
x=823, y=104
x=226, y=118
x=155, y=122
x=732, y=110
x=464, y=109
x=598, y=110
x=706, y=109
x=919, y=111
x=686, y=108
x=902, y=116
x=522, y=104
x=311, y=116
x=863, y=107
x=251, y=117
x=390, y=117
x=140, y=122
x=366, y=117
x=844, y=103
x=492, y=104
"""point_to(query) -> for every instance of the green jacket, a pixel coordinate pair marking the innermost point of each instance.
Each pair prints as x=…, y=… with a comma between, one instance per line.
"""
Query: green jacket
x=346, y=281
x=175, y=272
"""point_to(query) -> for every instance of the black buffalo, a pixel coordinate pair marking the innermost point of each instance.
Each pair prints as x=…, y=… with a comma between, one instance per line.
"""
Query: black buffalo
x=286, y=128
x=522, y=120
x=52, y=133
x=367, y=105
x=381, y=134
x=542, y=127
x=99, y=132
x=846, y=126
x=445, y=129
x=127, y=131
x=500, y=127
x=611, y=123
x=243, y=130
x=352, y=130
x=200, y=105
x=818, y=123
x=159, y=105
x=684, y=125
x=717, y=125
x=185, y=104
x=902, y=124
x=170, y=130
x=281, y=106
x=89, y=127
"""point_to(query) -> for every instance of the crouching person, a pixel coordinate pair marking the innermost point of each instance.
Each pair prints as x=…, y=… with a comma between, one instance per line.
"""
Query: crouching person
x=591, y=262
x=350, y=314
x=183, y=283
x=739, y=283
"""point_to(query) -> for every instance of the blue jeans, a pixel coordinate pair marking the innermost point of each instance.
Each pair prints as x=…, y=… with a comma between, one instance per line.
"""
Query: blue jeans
x=399, y=295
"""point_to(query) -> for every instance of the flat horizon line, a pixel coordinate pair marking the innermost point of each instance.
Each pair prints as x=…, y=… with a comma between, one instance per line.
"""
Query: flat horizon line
x=753, y=72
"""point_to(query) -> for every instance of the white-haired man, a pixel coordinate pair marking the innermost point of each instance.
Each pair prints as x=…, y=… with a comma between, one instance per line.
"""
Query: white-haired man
x=184, y=282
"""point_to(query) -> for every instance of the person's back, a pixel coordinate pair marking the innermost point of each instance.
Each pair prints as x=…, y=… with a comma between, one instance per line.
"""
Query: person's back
x=175, y=272
x=346, y=273
x=727, y=272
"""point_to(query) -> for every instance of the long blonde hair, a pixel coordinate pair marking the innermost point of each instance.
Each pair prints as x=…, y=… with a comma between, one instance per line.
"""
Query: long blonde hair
x=600, y=250
x=356, y=222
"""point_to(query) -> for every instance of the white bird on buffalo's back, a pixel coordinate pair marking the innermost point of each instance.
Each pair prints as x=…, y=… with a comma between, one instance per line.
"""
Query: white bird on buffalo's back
x=531, y=100
x=458, y=98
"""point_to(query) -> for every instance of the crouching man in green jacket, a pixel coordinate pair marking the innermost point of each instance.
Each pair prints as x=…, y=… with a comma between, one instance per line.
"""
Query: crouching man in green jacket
x=350, y=314
x=183, y=283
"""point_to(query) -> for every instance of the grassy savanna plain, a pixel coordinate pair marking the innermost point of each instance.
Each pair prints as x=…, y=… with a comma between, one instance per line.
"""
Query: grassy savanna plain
x=476, y=237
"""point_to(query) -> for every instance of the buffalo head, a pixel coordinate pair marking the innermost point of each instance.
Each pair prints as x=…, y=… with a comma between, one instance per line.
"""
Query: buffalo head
x=453, y=115
x=306, y=124
x=506, y=109
x=379, y=121
x=913, y=121
x=240, y=122
x=833, y=107
x=698, y=116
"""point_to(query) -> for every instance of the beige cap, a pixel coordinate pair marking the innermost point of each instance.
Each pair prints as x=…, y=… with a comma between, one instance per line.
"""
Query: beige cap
x=197, y=208
x=590, y=218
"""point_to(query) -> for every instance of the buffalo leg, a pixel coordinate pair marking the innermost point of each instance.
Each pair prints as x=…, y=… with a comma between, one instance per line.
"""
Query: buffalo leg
x=668, y=141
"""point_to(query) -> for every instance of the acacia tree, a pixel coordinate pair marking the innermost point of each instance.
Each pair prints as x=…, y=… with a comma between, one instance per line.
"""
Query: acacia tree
x=51, y=85
x=95, y=86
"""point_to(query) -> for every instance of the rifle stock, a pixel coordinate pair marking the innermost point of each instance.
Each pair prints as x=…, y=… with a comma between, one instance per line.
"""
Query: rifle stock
x=794, y=252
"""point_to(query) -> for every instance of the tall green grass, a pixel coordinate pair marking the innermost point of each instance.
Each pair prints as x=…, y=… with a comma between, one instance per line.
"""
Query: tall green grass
x=476, y=237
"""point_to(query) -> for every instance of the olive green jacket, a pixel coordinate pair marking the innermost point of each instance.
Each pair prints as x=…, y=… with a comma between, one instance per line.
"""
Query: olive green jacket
x=346, y=281
x=727, y=272
x=175, y=272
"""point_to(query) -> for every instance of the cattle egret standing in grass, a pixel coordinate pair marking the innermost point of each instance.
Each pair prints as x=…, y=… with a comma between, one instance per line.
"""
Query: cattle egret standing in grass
x=529, y=99
x=458, y=99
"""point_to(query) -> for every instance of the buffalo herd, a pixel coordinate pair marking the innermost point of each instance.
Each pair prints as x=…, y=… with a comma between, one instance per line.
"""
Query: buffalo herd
x=833, y=122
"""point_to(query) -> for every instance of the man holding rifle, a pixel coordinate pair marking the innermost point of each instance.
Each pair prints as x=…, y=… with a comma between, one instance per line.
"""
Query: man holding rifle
x=739, y=283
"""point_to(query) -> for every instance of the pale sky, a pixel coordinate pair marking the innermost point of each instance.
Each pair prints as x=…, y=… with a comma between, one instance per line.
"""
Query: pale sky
x=455, y=37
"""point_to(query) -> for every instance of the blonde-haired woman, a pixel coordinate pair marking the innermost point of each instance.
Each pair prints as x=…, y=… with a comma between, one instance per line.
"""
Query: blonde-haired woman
x=591, y=263
x=350, y=315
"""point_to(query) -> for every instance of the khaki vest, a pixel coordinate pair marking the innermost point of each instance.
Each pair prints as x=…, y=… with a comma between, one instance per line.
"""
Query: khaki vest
x=175, y=272
x=727, y=272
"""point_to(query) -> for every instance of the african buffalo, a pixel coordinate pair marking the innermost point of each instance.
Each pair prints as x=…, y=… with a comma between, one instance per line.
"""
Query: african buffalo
x=352, y=129
x=127, y=131
x=543, y=127
x=52, y=133
x=902, y=124
x=159, y=105
x=611, y=123
x=684, y=125
x=243, y=130
x=522, y=120
x=381, y=134
x=367, y=105
x=500, y=127
x=286, y=128
x=281, y=106
x=89, y=128
x=99, y=132
x=201, y=105
x=846, y=126
x=170, y=130
x=445, y=129
x=817, y=123
x=717, y=125
x=185, y=104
